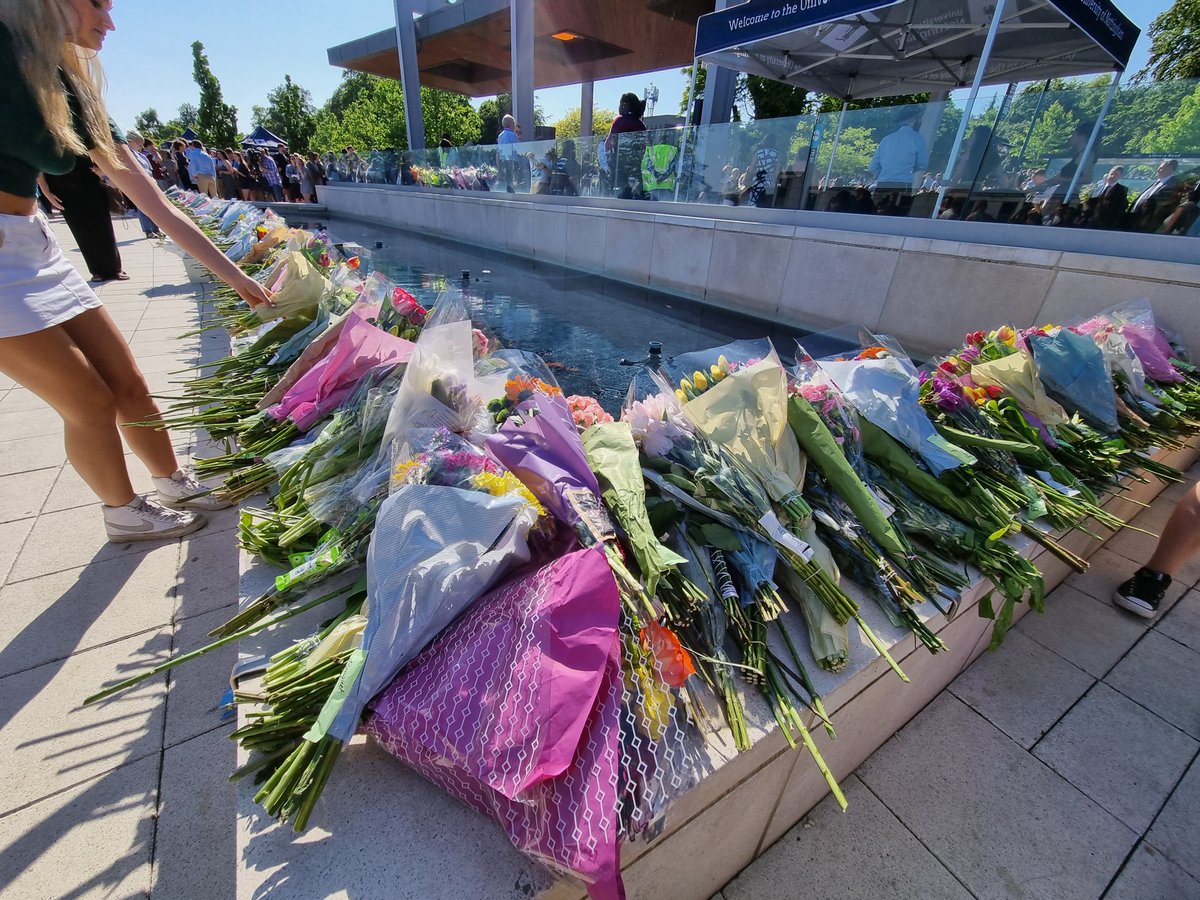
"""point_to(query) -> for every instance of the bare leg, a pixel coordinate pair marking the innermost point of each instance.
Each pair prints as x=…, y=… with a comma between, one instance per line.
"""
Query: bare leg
x=1180, y=539
x=49, y=364
x=101, y=342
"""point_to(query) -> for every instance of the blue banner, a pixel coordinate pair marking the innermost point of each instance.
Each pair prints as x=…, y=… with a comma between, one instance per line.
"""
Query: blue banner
x=737, y=26
x=1104, y=24
x=743, y=25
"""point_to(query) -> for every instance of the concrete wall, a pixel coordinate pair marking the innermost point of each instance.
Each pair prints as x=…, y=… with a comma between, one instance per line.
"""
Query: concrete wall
x=925, y=282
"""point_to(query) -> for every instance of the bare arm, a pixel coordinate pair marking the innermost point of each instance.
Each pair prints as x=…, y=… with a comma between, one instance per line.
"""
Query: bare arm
x=137, y=186
x=47, y=193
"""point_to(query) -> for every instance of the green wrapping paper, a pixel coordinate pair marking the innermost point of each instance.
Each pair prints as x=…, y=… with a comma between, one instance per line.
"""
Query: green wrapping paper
x=824, y=452
x=613, y=456
x=887, y=453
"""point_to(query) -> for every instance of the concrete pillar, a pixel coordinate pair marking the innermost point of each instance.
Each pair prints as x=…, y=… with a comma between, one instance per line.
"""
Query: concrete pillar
x=587, y=100
x=410, y=77
x=521, y=24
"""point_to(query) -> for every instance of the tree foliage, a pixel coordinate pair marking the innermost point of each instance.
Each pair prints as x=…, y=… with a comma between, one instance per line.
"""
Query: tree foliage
x=367, y=112
x=1175, y=43
x=741, y=94
x=216, y=120
x=491, y=112
x=290, y=114
x=571, y=122
x=775, y=99
x=150, y=126
x=1179, y=133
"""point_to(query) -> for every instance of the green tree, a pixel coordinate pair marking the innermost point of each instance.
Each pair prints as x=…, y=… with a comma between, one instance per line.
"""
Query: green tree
x=854, y=151
x=741, y=94
x=1174, y=43
x=1178, y=133
x=570, y=123
x=491, y=112
x=216, y=119
x=188, y=115
x=447, y=112
x=148, y=124
x=367, y=111
x=776, y=99
x=1050, y=133
x=290, y=114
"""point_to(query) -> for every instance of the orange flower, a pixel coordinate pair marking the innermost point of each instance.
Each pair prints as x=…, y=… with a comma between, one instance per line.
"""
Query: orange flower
x=671, y=662
x=873, y=353
x=354, y=262
x=523, y=386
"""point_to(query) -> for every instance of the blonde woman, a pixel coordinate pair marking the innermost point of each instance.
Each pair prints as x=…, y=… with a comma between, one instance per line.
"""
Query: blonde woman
x=56, y=338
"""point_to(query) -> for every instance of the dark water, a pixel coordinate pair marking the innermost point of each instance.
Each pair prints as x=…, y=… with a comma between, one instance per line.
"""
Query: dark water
x=582, y=325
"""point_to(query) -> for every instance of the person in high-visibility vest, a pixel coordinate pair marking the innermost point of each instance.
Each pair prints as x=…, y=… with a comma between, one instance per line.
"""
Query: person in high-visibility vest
x=658, y=170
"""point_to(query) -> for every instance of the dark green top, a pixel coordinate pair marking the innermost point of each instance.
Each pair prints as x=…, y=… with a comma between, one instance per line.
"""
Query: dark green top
x=26, y=145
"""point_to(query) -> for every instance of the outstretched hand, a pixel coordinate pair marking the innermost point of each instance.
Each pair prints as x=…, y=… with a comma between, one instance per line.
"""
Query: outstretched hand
x=253, y=292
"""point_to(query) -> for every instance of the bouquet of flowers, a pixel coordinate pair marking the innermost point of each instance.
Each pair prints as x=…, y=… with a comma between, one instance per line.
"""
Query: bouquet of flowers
x=455, y=525
x=517, y=710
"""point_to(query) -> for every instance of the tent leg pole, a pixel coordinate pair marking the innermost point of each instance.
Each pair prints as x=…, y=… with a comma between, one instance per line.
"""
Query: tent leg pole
x=948, y=172
x=687, y=127
x=837, y=139
x=1087, y=151
x=1037, y=111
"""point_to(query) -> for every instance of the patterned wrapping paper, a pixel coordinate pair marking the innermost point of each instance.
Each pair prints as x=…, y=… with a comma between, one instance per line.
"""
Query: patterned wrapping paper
x=516, y=710
x=360, y=347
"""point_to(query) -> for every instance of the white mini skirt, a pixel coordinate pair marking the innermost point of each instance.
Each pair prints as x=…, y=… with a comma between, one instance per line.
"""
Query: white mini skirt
x=38, y=287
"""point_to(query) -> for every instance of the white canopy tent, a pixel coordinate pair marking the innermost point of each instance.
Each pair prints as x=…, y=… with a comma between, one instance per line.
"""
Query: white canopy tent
x=856, y=49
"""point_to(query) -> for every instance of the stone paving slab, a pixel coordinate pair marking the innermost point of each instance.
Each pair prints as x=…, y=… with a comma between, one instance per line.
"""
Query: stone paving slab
x=1144, y=758
x=996, y=817
x=1092, y=634
x=1024, y=690
x=886, y=859
x=1160, y=674
x=1149, y=875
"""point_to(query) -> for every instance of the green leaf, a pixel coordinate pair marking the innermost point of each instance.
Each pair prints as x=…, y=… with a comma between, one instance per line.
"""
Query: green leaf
x=997, y=534
x=985, y=606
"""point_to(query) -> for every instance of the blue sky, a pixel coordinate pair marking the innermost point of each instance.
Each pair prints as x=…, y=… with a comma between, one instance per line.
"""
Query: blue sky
x=148, y=58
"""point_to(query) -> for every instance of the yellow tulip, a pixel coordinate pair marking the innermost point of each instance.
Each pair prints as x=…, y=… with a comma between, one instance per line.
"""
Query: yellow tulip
x=680, y=395
x=723, y=364
x=699, y=380
x=716, y=374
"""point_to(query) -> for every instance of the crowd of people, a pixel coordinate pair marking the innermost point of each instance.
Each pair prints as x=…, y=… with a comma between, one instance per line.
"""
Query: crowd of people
x=266, y=173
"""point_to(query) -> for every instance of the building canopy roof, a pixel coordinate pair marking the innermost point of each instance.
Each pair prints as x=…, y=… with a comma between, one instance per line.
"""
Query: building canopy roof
x=873, y=48
x=466, y=47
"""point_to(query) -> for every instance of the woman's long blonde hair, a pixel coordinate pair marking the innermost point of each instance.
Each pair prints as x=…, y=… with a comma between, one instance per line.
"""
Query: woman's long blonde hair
x=39, y=29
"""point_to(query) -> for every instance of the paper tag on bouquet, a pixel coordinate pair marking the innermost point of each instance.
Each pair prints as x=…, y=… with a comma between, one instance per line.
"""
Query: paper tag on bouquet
x=1057, y=485
x=592, y=516
x=773, y=527
x=885, y=507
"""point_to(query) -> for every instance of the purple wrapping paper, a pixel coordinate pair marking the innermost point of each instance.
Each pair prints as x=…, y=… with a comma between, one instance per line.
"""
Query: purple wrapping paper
x=360, y=347
x=1152, y=349
x=546, y=453
x=515, y=709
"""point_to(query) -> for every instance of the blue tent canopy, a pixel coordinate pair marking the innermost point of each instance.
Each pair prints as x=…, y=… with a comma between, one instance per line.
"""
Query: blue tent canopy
x=260, y=137
x=876, y=48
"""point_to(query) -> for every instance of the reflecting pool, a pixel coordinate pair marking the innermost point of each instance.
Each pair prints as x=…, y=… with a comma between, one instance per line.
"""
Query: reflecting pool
x=582, y=325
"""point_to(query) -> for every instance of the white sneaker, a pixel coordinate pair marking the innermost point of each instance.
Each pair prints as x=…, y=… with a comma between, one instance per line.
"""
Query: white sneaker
x=182, y=490
x=144, y=520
